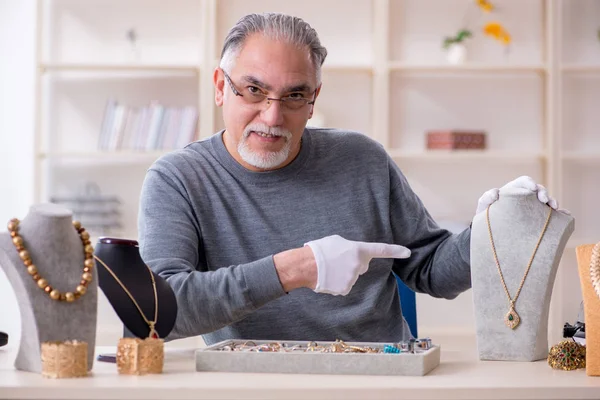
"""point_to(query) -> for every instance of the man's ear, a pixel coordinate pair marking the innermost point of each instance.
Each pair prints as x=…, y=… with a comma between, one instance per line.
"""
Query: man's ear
x=219, y=82
x=312, y=108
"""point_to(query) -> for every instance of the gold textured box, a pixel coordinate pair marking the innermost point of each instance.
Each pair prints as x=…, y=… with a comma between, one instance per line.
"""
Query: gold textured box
x=66, y=359
x=139, y=357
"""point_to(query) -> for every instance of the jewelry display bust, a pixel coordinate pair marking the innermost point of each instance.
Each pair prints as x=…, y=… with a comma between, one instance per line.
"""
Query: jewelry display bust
x=516, y=223
x=588, y=260
x=122, y=258
x=57, y=250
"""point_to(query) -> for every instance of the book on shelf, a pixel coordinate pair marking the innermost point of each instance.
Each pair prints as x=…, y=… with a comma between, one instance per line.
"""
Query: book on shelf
x=150, y=127
x=99, y=213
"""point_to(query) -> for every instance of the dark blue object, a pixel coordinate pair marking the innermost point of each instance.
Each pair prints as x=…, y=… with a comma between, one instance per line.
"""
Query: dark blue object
x=3, y=339
x=408, y=302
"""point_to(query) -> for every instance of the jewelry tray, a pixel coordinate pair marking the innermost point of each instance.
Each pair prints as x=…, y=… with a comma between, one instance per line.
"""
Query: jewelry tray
x=213, y=359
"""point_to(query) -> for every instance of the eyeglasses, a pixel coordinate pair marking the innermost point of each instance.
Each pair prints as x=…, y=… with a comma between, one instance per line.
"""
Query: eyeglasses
x=254, y=96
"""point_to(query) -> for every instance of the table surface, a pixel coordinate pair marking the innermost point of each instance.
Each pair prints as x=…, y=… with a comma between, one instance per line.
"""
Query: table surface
x=460, y=375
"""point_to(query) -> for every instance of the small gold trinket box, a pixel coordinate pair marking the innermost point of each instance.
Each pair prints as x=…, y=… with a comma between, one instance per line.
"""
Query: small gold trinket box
x=139, y=357
x=66, y=359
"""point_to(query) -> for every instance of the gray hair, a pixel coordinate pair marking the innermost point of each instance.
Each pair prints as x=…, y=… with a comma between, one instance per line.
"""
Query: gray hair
x=275, y=26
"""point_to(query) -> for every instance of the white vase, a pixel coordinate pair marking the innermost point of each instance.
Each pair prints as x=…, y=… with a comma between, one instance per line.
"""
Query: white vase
x=456, y=54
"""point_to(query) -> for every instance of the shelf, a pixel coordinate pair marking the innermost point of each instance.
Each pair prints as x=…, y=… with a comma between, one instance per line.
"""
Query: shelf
x=115, y=68
x=105, y=157
x=581, y=68
x=466, y=68
x=475, y=155
x=581, y=156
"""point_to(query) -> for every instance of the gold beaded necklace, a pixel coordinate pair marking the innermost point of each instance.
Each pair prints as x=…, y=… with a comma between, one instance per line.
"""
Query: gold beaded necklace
x=55, y=294
x=512, y=319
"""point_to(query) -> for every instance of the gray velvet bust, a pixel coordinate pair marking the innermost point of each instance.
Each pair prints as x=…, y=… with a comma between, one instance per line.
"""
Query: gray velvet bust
x=57, y=251
x=516, y=222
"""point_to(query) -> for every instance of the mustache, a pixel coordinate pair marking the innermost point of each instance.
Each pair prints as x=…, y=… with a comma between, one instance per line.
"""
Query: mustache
x=271, y=130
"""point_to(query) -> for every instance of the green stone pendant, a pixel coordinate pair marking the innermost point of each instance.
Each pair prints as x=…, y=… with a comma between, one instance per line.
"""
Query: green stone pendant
x=511, y=319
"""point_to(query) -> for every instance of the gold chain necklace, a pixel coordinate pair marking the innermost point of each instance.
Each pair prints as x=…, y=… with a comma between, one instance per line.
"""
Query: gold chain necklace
x=512, y=319
x=55, y=294
x=595, y=269
x=153, y=333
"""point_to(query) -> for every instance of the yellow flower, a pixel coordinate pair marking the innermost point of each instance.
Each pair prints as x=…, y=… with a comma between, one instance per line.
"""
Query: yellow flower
x=485, y=5
x=497, y=31
x=492, y=29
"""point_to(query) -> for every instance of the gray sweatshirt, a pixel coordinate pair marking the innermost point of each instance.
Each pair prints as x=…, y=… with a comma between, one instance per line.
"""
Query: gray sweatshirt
x=211, y=227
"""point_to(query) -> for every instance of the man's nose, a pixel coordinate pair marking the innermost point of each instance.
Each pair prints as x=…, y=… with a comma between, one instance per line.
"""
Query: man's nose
x=273, y=114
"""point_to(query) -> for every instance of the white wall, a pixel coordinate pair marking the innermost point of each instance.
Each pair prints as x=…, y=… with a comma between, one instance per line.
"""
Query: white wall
x=17, y=92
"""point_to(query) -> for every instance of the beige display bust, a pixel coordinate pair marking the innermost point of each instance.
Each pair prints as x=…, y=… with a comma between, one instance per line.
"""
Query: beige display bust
x=516, y=222
x=591, y=309
x=57, y=251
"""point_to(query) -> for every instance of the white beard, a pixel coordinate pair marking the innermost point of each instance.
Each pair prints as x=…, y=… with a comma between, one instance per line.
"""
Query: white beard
x=269, y=159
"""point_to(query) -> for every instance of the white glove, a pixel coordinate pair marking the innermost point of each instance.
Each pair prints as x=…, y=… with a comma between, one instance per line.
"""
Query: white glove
x=522, y=182
x=340, y=262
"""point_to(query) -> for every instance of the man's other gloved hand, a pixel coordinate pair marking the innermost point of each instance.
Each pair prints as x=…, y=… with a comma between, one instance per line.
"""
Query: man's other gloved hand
x=340, y=262
x=523, y=182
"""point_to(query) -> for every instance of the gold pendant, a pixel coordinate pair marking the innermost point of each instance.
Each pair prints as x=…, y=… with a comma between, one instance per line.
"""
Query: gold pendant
x=153, y=333
x=512, y=319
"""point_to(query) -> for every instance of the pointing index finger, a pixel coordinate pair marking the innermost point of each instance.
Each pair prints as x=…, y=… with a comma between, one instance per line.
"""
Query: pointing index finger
x=384, y=250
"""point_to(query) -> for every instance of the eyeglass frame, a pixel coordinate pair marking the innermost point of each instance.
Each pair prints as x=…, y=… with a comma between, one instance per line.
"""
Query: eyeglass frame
x=269, y=99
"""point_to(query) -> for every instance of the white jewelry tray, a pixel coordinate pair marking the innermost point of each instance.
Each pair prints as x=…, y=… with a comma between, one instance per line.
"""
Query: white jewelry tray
x=409, y=364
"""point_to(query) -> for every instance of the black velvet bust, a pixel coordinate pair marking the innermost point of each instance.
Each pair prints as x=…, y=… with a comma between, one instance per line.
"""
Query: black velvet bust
x=122, y=256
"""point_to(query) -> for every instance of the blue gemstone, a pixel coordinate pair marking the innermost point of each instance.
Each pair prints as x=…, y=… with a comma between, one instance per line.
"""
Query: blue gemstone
x=390, y=349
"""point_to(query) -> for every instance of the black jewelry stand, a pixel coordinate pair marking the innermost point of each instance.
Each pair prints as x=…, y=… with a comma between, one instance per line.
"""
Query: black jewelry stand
x=123, y=258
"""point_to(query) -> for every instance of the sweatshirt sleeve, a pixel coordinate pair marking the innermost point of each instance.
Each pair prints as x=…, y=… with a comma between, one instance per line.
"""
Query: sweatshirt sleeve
x=439, y=264
x=171, y=244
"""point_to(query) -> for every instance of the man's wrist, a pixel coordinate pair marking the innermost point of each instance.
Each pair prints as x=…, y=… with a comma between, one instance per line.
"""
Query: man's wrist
x=296, y=268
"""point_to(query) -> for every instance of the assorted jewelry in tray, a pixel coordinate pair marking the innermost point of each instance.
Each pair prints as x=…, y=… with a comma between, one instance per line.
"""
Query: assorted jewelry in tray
x=339, y=346
x=414, y=357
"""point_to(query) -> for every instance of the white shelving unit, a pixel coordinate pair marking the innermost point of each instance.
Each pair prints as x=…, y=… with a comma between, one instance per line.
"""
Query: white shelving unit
x=538, y=102
x=578, y=139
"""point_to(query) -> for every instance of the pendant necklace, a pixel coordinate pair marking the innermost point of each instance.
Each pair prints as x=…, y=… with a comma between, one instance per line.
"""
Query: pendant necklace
x=152, y=333
x=512, y=319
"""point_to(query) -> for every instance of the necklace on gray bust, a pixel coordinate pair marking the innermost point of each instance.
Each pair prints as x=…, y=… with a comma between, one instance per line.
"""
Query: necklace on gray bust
x=512, y=319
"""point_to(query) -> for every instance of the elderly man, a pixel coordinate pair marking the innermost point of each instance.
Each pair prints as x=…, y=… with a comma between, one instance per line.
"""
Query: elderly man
x=271, y=230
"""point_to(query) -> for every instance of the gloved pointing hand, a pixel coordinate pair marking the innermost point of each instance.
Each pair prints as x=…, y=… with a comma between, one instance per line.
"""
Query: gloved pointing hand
x=340, y=262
